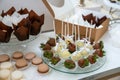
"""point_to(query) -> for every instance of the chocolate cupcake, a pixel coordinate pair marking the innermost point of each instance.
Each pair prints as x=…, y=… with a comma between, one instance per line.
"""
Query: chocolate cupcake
x=9, y=12
x=5, y=32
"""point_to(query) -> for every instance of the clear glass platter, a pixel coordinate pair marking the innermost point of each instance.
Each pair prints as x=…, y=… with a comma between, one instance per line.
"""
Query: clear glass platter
x=77, y=70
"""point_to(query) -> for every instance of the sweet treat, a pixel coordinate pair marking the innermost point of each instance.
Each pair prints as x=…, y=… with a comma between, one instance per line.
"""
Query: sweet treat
x=35, y=28
x=4, y=58
x=22, y=33
x=83, y=63
x=71, y=48
x=99, y=52
x=98, y=45
x=55, y=60
x=92, y=59
x=37, y=61
x=43, y=68
x=5, y=32
x=65, y=54
x=4, y=74
x=69, y=64
x=9, y=12
x=51, y=42
x=23, y=11
x=46, y=47
x=17, y=55
x=48, y=54
x=21, y=63
x=17, y=75
x=30, y=56
x=6, y=65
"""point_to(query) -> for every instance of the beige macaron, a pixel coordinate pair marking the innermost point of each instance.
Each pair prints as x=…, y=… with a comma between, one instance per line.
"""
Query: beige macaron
x=6, y=65
x=29, y=56
x=17, y=55
x=4, y=74
x=20, y=63
x=17, y=75
x=4, y=58
x=37, y=61
x=43, y=68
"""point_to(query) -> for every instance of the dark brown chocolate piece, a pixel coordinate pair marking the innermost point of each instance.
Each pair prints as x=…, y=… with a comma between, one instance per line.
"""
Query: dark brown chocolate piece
x=51, y=42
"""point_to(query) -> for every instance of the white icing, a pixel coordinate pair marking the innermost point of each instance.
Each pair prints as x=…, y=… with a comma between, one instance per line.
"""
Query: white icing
x=17, y=75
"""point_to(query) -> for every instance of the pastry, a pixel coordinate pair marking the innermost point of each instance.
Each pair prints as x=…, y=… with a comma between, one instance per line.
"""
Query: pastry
x=43, y=68
x=4, y=58
x=37, y=61
x=30, y=56
x=9, y=12
x=6, y=65
x=5, y=32
x=17, y=55
x=4, y=74
x=17, y=75
x=21, y=63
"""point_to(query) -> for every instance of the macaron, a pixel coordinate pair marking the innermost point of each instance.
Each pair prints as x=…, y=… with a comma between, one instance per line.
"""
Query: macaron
x=20, y=63
x=6, y=65
x=4, y=74
x=29, y=56
x=4, y=58
x=17, y=55
x=17, y=75
x=37, y=61
x=43, y=68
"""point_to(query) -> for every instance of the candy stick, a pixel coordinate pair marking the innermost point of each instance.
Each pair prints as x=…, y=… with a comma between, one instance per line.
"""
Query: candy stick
x=90, y=33
x=65, y=29
x=75, y=33
x=78, y=31
x=68, y=26
x=73, y=28
x=86, y=32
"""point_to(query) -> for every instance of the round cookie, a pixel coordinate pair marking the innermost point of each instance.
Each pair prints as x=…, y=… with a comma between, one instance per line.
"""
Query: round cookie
x=30, y=56
x=17, y=55
x=20, y=63
x=6, y=65
x=4, y=74
x=43, y=68
x=17, y=75
x=37, y=61
x=4, y=58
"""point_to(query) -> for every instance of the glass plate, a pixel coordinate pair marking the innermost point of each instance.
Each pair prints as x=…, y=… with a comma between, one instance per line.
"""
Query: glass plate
x=77, y=70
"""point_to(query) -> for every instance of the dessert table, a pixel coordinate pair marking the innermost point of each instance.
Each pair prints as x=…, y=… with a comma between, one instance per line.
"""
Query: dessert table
x=111, y=65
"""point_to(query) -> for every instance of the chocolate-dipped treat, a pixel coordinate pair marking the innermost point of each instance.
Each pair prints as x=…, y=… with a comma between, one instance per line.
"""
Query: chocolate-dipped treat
x=99, y=45
x=70, y=64
x=92, y=59
x=55, y=60
x=71, y=47
x=51, y=42
x=46, y=47
x=99, y=52
x=48, y=54
x=23, y=11
x=83, y=63
x=9, y=12
x=5, y=32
